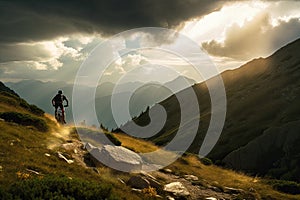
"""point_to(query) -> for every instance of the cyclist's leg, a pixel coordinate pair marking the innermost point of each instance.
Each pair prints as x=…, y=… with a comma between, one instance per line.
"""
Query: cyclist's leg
x=63, y=112
x=55, y=113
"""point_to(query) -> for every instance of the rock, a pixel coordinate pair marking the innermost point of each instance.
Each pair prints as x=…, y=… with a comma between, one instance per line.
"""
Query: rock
x=136, y=190
x=121, y=181
x=169, y=198
x=151, y=167
x=138, y=182
x=96, y=170
x=64, y=158
x=47, y=154
x=169, y=171
x=152, y=180
x=33, y=171
x=177, y=189
x=69, y=146
x=117, y=157
x=230, y=190
x=89, y=147
x=1, y=168
x=211, y=198
x=216, y=189
x=191, y=177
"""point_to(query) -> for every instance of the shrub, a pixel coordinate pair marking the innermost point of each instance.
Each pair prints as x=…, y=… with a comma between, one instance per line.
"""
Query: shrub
x=58, y=188
x=113, y=139
x=150, y=191
x=206, y=161
x=6, y=99
x=25, y=120
x=16, y=100
x=36, y=110
x=5, y=195
x=3, y=93
x=289, y=187
x=31, y=108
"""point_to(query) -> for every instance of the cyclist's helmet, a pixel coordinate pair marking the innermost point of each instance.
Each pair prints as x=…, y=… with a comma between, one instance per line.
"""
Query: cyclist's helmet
x=59, y=91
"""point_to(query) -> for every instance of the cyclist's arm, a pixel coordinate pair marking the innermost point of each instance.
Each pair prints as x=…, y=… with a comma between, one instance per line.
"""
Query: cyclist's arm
x=65, y=98
x=53, y=101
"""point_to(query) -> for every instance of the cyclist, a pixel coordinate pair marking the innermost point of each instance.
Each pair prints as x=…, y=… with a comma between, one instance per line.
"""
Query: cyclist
x=57, y=101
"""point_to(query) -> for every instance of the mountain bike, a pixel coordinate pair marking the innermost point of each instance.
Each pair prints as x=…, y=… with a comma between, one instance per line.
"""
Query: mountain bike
x=59, y=115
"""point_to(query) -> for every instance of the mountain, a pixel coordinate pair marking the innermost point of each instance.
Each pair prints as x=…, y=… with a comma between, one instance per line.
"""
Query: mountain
x=4, y=88
x=52, y=163
x=143, y=96
x=260, y=134
x=40, y=93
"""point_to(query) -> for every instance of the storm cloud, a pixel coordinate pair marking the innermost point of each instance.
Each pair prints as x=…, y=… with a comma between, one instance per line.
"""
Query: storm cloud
x=43, y=20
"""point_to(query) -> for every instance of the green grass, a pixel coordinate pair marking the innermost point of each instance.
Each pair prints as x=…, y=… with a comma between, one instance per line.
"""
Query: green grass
x=25, y=120
x=55, y=187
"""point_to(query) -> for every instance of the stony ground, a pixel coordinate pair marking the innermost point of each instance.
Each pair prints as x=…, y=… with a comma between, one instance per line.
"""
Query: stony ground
x=192, y=186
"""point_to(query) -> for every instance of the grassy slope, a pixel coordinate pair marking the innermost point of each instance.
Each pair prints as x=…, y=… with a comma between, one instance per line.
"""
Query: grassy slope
x=24, y=148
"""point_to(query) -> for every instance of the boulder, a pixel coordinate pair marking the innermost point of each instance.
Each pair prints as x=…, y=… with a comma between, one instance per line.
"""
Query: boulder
x=177, y=189
x=117, y=157
x=152, y=181
x=138, y=182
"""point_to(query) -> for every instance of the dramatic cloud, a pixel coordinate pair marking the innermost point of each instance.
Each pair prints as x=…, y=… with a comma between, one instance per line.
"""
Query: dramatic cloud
x=48, y=40
x=255, y=38
x=44, y=20
x=40, y=54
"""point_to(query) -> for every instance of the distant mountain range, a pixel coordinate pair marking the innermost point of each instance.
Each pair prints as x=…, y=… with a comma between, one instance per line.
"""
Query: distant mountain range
x=40, y=93
x=262, y=128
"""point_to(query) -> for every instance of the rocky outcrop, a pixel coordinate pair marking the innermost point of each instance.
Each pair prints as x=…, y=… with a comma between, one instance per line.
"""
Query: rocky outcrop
x=117, y=157
x=267, y=150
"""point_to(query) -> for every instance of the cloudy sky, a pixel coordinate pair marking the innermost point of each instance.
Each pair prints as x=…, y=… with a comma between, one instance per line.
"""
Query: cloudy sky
x=49, y=40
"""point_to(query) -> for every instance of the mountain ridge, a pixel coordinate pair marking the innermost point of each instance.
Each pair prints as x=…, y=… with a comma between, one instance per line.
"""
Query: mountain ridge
x=261, y=94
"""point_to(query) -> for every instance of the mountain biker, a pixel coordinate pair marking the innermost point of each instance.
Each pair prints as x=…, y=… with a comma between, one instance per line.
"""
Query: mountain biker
x=57, y=101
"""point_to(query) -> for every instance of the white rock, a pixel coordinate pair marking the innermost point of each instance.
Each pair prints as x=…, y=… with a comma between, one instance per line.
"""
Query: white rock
x=177, y=189
x=210, y=198
x=89, y=147
x=64, y=158
x=117, y=157
x=167, y=171
x=169, y=198
x=191, y=177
